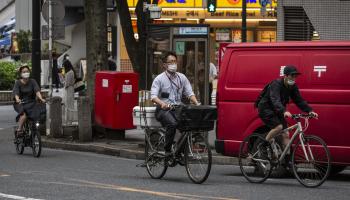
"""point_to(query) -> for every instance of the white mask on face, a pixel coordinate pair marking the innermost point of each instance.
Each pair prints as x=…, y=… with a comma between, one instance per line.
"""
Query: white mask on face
x=290, y=82
x=67, y=58
x=172, y=68
x=25, y=75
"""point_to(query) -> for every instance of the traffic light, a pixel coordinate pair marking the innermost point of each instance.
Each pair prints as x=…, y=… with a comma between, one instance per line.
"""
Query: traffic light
x=211, y=5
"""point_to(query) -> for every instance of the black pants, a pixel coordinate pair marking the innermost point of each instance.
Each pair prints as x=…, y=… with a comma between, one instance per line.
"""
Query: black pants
x=168, y=120
x=210, y=91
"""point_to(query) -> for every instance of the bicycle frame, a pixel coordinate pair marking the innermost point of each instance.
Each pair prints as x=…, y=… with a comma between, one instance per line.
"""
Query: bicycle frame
x=298, y=132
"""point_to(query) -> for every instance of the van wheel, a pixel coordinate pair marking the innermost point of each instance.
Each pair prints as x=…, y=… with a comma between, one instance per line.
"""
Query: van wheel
x=336, y=169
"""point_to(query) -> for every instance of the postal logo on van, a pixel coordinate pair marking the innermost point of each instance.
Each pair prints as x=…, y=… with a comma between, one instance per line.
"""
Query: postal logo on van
x=319, y=70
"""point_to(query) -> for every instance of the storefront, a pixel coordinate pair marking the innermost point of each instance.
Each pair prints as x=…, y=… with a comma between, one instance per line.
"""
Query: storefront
x=225, y=23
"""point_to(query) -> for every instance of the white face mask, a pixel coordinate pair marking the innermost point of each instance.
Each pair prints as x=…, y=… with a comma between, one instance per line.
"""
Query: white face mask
x=172, y=68
x=67, y=58
x=25, y=75
x=290, y=82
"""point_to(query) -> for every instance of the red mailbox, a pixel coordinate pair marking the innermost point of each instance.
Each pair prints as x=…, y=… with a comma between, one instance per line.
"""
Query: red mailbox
x=116, y=93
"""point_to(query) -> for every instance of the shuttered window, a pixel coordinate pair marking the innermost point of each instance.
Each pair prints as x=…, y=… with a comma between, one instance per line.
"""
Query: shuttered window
x=297, y=26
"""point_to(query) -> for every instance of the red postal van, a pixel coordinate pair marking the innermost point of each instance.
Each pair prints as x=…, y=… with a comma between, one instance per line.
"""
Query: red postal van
x=324, y=84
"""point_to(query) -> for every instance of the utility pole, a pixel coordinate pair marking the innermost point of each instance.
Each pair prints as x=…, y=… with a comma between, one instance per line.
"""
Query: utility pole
x=36, y=43
x=50, y=48
x=244, y=20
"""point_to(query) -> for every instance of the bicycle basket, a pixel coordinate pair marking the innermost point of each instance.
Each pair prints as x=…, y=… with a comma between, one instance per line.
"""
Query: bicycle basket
x=196, y=118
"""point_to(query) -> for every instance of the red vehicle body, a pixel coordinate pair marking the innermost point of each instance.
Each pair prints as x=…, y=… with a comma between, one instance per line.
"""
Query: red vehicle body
x=324, y=84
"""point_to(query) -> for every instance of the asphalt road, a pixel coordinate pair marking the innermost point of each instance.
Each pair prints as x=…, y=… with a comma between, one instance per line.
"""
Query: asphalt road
x=60, y=175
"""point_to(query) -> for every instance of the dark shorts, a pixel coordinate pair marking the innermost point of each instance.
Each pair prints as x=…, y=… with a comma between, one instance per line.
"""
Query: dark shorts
x=271, y=119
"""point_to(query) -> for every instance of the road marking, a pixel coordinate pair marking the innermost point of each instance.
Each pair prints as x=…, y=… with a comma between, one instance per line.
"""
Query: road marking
x=1, y=129
x=8, y=196
x=82, y=183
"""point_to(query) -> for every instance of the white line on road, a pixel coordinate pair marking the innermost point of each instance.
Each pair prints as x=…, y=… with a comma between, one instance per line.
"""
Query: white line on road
x=8, y=196
x=1, y=129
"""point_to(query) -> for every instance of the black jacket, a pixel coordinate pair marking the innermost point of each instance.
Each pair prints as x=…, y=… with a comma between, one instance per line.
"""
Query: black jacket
x=277, y=97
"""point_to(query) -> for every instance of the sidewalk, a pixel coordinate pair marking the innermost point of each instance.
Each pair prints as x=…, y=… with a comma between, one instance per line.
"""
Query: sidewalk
x=131, y=147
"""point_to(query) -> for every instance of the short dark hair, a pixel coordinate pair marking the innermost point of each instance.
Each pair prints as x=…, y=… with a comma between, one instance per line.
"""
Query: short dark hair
x=23, y=67
x=167, y=54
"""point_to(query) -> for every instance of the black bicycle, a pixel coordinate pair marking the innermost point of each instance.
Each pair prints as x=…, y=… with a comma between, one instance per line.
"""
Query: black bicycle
x=31, y=136
x=190, y=150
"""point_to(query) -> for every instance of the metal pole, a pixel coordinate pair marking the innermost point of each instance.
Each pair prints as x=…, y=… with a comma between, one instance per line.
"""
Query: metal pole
x=36, y=42
x=50, y=48
x=244, y=20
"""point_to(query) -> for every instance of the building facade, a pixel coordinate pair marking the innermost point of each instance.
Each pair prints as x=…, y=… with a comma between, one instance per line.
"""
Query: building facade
x=313, y=19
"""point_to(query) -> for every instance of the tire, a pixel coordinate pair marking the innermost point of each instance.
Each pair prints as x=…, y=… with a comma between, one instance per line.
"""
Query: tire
x=198, y=157
x=36, y=144
x=336, y=169
x=254, y=170
x=19, y=146
x=311, y=173
x=155, y=162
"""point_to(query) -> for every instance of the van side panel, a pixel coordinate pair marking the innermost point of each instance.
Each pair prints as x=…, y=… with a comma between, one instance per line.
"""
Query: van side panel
x=324, y=83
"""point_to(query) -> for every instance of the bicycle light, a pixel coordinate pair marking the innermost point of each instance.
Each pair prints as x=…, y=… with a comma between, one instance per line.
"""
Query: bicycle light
x=37, y=124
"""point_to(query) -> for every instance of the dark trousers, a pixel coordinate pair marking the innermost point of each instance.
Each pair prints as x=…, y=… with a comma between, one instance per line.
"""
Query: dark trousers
x=168, y=120
x=210, y=91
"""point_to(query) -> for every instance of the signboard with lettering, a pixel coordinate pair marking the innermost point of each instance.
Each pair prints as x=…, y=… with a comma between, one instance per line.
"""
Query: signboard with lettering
x=199, y=3
x=191, y=31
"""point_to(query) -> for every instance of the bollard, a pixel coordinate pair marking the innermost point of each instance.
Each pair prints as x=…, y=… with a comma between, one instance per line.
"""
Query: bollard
x=84, y=119
x=55, y=122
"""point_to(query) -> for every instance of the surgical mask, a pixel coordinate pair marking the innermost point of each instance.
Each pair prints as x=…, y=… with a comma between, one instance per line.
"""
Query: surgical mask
x=290, y=82
x=25, y=75
x=67, y=58
x=172, y=68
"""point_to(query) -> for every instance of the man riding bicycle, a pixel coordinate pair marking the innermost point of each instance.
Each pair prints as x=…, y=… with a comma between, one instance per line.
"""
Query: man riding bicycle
x=272, y=106
x=168, y=89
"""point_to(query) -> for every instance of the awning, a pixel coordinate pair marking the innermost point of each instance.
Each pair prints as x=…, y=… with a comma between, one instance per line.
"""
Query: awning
x=5, y=41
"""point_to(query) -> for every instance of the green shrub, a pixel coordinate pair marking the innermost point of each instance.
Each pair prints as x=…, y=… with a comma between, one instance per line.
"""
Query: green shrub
x=8, y=75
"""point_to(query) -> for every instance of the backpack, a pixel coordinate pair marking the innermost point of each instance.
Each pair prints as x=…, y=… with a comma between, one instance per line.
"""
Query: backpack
x=261, y=95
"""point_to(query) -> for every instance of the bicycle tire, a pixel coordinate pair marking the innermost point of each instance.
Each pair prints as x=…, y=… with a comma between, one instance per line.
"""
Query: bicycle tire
x=19, y=146
x=197, y=149
x=318, y=169
x=255, y=171
x=152, y=159
x=36, y=144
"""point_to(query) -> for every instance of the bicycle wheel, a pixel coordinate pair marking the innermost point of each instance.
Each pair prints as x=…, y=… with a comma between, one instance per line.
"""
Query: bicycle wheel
x=254, y=159
x=197, y=157
x=36, y=144
x=155, y=161
x=312, y=166
x=19, y=144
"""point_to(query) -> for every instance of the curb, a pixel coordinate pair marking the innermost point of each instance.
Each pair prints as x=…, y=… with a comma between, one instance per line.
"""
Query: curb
x=5, y=103
x=124, y=153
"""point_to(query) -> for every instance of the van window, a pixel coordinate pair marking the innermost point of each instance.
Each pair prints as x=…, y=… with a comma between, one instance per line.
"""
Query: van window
x=331, y=70
x=258, y=69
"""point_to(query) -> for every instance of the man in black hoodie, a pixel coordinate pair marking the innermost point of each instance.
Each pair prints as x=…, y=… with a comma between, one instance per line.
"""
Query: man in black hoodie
x=272, y=106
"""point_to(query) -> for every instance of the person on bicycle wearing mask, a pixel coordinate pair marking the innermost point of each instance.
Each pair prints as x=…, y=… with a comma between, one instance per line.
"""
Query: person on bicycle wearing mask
x=25, y=91
x=272, y=106
x=167, y=89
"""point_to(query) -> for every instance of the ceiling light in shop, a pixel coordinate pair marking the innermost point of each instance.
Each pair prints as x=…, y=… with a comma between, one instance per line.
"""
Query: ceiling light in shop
x=165, y=19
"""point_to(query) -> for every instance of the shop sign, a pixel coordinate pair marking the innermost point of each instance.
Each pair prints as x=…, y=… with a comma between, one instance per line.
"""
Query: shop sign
x=222, y=36
x=201, y=14
x=199, y=3
x=191, y=31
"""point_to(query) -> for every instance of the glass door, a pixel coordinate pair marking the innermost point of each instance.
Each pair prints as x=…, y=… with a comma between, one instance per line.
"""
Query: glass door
x=192, y=61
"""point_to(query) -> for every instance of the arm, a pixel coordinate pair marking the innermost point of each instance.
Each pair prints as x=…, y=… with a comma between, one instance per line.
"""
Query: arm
x=188, y=92
x=275, y=90
x=155, y=92
x=69, y=80
x=193, y=99
x=16, y=91
x=299, y=101
x=37, y=91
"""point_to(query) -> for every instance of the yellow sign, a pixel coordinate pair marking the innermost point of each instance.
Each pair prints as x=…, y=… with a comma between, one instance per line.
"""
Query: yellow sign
x=201, y=14
x=198, y=3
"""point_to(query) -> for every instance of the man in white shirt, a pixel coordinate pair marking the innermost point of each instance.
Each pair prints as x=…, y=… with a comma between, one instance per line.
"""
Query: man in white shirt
x=167, y=89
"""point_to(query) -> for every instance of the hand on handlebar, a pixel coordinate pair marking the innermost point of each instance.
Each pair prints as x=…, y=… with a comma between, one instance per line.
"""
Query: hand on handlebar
x=287, y=114
x=165, y=106
x=313, y=115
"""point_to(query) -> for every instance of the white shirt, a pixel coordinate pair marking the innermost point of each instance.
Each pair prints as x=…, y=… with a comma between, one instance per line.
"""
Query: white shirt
x=212, y=72
x=175, y=86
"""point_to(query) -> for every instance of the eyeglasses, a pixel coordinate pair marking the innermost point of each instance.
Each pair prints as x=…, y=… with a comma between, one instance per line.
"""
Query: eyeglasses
x=171, y=62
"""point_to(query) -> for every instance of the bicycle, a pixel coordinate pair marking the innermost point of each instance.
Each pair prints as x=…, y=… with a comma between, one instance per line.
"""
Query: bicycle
x=310, y=156
x=31, y=136
x=191, y=150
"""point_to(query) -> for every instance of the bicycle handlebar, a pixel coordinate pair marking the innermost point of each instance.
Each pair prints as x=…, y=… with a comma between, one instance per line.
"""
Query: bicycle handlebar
x=299, y=116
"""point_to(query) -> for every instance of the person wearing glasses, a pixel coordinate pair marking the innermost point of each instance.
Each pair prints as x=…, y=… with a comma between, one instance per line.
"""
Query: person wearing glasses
x=167, y=89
